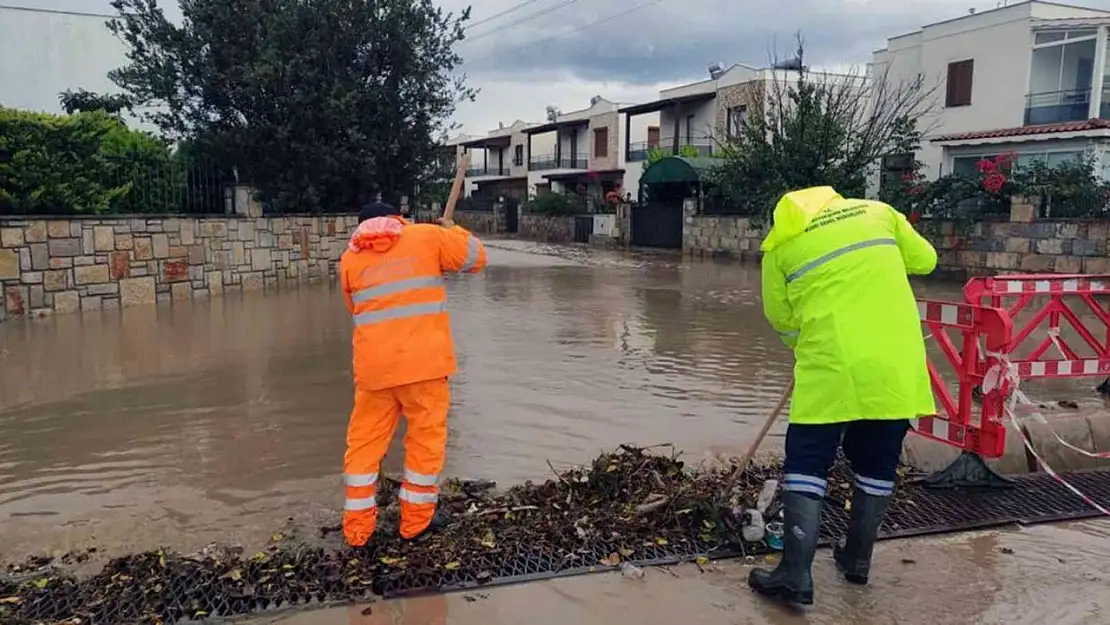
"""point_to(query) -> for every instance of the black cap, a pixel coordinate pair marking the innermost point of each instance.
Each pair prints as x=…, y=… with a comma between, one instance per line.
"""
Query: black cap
x=377, y=209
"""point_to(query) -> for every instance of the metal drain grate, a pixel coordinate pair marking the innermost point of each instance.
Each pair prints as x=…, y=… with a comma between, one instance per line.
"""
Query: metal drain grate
x=192, y=590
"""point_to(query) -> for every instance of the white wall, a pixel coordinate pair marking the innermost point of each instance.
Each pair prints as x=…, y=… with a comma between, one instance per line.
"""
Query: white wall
x=543, y=144
x=579, y=139
x=705, y=116
x=1000, y=42
x=43, y=53
x=638, y=128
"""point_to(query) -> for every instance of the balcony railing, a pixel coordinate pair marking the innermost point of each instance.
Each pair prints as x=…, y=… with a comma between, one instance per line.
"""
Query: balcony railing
x=640, y=150
x=1054, y=107
x=542, y=162
x=488, y=170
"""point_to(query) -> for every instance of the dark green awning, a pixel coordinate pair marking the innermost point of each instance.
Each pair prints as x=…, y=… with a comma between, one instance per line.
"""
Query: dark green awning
x=678, y=169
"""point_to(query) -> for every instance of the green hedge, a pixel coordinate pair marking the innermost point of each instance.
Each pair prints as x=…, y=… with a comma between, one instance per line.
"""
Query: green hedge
x=86, y=163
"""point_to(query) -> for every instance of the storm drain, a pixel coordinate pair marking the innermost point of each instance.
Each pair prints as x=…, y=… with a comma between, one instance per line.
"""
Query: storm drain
x=190, y=592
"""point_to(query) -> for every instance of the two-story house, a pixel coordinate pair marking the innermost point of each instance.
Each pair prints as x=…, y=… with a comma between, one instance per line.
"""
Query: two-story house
x=498, y=167
x=580, y=152
x=696, y=117
x=1028, y=79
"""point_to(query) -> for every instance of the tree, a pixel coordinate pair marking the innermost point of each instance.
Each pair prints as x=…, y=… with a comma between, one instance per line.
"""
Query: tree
x=82, y=101
x=310, y=101
x=811, y=129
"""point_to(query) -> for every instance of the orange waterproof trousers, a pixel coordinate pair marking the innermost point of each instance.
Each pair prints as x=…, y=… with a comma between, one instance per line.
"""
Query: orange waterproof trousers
x=373, y=421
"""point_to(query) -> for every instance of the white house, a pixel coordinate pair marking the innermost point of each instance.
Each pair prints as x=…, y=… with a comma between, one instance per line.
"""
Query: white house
x=581, y=149
x=1026, y=78
x=45, y=52
x=696, y=118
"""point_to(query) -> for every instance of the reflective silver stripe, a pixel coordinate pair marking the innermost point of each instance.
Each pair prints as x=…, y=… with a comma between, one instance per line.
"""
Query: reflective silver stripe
x=813, y=264
x=392, y=288
x=417, y=498
x=471, y=254
x=420, y=479
x=365, y=503
x=400, y=312
x=360, y=479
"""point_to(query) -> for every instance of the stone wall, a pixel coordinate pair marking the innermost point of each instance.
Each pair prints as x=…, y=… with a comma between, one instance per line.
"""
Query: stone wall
x=612, y=123
x=748, y=94
x=478, y=222
x=987, y=247
x=712, y=235
x=999, y=246
x=68, y=264
x=547, y=228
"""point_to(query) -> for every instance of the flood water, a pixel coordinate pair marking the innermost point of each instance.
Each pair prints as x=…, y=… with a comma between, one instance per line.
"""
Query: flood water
x=219, y=420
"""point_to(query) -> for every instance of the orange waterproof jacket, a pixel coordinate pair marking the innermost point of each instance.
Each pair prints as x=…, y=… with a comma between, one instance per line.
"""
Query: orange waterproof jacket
x=392, y=279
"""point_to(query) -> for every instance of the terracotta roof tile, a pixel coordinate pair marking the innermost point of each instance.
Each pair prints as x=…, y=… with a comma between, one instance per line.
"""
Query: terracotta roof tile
x=1022, y=131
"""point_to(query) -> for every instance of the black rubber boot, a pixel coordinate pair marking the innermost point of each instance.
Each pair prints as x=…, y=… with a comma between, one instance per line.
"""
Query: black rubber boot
x=792, y=579
x=439, y=520
x=853, y=552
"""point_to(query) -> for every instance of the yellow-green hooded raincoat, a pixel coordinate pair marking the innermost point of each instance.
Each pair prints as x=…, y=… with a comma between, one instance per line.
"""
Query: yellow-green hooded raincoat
x=836, y=289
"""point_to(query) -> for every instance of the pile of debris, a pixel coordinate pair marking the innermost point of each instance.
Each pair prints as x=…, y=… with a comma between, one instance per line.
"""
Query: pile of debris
x=627, y=506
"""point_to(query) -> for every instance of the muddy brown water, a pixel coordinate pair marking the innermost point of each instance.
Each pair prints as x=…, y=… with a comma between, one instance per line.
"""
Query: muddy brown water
x=219, y=420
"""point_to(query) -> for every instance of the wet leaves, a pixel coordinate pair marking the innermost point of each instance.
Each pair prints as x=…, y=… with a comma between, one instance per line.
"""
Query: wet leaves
x=627, y=505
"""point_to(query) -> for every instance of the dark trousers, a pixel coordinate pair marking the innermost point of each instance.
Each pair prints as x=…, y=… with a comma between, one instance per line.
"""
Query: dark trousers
x=872, y=448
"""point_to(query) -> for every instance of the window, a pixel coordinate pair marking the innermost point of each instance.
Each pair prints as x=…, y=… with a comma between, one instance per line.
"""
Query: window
x=518, y=155
x=969, y=165
x=895, y=168
x=959, y=83
x=653, y=137
x=737, y=120
x=1055, y=36
x=601, y=142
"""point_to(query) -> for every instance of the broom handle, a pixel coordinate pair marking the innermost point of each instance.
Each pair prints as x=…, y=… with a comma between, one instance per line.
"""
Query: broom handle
x=774, y=416
x=456, y=187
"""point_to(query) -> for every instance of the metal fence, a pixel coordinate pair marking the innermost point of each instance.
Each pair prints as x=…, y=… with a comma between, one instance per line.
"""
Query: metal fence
x=1093, y=205
x=174, y=185
x=542, y=162
x=121, y=185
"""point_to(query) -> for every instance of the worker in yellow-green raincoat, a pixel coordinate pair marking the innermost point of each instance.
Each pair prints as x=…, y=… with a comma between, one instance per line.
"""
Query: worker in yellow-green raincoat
x=836, y=289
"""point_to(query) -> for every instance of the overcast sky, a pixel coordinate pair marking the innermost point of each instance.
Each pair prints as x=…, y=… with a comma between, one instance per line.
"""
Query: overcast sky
x=562, y=52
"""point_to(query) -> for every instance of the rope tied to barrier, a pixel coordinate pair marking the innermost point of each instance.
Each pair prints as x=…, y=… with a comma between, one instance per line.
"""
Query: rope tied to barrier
x=1004, y=374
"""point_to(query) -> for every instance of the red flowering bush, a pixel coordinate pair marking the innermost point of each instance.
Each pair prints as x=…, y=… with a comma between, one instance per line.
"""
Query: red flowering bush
x=995, y=172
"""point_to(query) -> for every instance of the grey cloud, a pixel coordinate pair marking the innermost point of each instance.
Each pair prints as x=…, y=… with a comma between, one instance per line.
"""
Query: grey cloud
x=670, y=41
x=678, y=38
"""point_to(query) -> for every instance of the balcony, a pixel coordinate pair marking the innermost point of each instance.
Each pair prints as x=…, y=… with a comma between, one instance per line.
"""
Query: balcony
x=544, y=162
x=1054, y=107
x=641, y=150
x=488, y=170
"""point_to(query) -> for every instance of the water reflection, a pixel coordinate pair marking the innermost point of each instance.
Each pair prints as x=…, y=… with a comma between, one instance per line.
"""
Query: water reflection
x=186, y=423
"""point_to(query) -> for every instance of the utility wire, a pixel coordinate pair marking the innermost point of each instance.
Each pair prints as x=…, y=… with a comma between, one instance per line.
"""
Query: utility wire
x=519, y=21
x=581, y=28
x=512, y=9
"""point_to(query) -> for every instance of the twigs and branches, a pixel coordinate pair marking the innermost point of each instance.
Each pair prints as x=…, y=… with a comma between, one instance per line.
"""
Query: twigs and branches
x=629, y=505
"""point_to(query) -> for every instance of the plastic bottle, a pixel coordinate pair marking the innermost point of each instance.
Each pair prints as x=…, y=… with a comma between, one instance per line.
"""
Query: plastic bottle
x=751, y=526
x=631, y=570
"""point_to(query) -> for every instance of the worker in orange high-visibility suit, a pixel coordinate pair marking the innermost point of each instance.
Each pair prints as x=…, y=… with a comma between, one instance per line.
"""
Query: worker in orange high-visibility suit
x=392, y=278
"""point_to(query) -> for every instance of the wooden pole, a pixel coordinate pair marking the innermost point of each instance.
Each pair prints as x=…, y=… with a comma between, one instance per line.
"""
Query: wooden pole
x=456, y=187
x=774, y=416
